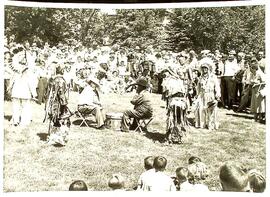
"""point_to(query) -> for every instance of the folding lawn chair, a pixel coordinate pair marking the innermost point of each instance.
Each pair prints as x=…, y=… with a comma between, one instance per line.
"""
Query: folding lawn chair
x=84, y=117
x=142, y=124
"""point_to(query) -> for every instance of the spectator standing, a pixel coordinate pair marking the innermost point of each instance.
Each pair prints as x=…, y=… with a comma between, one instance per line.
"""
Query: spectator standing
x=228, y=85
x=42, y=81
x=258, y=101
x=8, y=73
x=261, y=61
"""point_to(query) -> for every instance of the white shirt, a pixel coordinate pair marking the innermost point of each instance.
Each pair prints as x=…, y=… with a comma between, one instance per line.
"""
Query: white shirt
x=143, y=179
x=159, y=181
x=231, y=68
x=31, y=58
x=186, y=186
x=88, y=97
x=23, y=86
x=200, y=188
x=159, y=63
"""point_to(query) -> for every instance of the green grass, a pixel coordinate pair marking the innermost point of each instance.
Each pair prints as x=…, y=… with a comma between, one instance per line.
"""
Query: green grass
x=93, y=155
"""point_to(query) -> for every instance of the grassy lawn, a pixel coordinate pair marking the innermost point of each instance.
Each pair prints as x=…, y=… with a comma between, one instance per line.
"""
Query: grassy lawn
x=94, y=155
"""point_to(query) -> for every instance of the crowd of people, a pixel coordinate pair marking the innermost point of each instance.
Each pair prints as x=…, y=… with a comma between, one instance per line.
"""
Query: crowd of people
x=187, y=81
x=233, y=177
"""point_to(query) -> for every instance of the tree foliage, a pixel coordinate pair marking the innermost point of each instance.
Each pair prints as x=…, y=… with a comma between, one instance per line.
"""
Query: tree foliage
x=241, y=28
x=224, y=28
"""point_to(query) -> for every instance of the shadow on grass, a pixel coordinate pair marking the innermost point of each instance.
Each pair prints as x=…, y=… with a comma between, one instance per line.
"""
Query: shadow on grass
x=191, y=121
x=89, y=122
x=240, y=116
x=58, y=145
x=43, y=136
x=8, y=117
x=155, y=136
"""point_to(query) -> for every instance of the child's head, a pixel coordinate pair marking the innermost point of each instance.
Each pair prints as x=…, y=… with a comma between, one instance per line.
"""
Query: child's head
x=233, y=178
x=182, y=174
x=197, y=171
x=256, y=181
x=115, y=73
x=78, y=186
x=116, y=182
x=148, y=162
x=160, y=163
x=194, y=159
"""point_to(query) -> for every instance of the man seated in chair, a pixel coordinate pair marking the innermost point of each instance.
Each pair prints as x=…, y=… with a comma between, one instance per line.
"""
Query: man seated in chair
x=89, y=101
x=142, y=106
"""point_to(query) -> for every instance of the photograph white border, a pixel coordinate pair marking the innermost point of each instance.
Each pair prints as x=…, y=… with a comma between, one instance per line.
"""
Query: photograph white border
x=4, y=3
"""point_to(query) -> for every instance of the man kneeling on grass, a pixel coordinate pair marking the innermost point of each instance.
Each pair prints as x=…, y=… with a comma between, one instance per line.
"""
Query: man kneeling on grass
x=142, y=107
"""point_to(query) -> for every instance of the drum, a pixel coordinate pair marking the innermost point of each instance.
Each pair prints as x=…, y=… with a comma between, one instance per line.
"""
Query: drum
x=113, y=120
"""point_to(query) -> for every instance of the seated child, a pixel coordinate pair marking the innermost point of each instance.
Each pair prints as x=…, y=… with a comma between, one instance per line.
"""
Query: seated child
x=233, y=178
x=159, y=181
x=181, y=181
x=256, y=181
x=194, y=159
x=148, y=166
x=197, y=173
x=78, y=185
x=117, y=183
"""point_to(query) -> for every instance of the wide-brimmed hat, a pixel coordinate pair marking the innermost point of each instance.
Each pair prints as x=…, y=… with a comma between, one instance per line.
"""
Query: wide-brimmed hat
x=142, y=81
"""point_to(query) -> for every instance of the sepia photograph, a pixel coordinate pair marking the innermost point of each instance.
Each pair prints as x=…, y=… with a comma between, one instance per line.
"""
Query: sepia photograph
x=163, y=97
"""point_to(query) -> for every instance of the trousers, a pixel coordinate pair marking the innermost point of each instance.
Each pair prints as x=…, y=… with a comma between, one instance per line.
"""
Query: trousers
x=22, y=111
x=42, y=87
x=245, y=98
x=97, y=111
x=126, y=124
x=228, y=89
